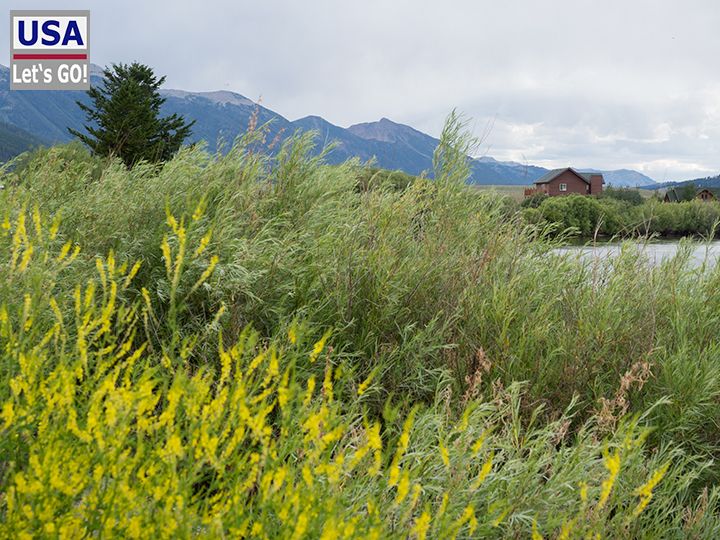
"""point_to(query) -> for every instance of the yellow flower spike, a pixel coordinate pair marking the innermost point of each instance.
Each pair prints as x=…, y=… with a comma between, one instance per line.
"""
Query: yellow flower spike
x=171, y=221
x=566, y=529
x=26, y=258
x=110, y=261
x=403, y=487
x=583, y=491
x=416, y=492
x=484, y=472
x=535, y=533
x=403, y=442
x=146, y=296
x=300, y=526
x=307, y=476
x=479, y=443
x=225, y=360
x=365, y=384
x=182, y=241
x=292, y=334
x=27, y=307
x=375, y=443
x=645, y=492
x=56, y=311
x=200, y=209
x=498, y=520
x=204, y=241
x=19, y=238
x=310, y=390
x=6, y=223
x=64, y=251
x=37, y=221
x=165, y=247
x=468, y=516
x=422, y=525
x=273, y=369
x=207, y=273
x=327, y=384
x=472, y=522
x=443, y=506
x=74, y=255
x=54, y=227
x=256, y=362
x=465, y=421
x=218, y=315
x=612, y=464
x=101, y=272
x=282, y=391
x=7, y=414
x=319, y=346
x=133, y=272
x=444, y=454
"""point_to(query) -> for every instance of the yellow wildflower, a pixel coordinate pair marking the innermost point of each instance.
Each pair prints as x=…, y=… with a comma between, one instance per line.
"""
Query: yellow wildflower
x=583, y=491
x=7, y=414
x=319, y=346
x=422, y=524
x=566, y=529
x=300, y=526
x=535, y=533
x=645, y=491
x=479, y=443
x=403, y=487
x=484, y=471
x=612, y=464
x=364, y=385
x=444, y=454
x=401, y=448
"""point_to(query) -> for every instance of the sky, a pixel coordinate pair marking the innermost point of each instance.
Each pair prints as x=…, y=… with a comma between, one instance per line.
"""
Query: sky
x=605, y=84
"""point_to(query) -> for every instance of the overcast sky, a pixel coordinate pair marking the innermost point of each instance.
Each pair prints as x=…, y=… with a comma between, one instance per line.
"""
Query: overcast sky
x=604, y=83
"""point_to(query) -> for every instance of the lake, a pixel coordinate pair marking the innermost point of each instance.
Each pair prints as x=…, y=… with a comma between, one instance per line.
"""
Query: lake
x=656, y=252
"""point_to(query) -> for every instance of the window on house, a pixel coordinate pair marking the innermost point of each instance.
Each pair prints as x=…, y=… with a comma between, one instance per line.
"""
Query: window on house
x=563, y=187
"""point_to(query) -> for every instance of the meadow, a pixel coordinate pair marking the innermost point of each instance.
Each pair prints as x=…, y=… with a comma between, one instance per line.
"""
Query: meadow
x=246, y=346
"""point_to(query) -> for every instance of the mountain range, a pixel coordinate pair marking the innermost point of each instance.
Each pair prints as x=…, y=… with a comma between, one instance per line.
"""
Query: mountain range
x=707, y=182
x=30, y=118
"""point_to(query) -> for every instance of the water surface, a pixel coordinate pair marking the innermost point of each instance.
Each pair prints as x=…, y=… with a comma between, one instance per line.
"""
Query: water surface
x=656, y=251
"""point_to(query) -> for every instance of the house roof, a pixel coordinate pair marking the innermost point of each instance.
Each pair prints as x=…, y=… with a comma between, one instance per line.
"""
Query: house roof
x=551, y=175
x=714, y=191
x=672, y=194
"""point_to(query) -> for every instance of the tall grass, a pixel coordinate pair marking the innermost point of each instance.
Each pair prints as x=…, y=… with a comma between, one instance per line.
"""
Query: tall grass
x=273, y=347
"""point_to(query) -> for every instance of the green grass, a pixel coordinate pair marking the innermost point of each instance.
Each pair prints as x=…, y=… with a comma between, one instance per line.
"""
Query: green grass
x=534, y=391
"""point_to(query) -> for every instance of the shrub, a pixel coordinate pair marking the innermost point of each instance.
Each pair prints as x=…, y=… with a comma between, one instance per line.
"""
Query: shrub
x=628, y=195
x=534, y=200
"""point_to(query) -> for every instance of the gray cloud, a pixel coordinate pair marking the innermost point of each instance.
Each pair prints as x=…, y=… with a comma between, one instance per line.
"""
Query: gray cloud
x=595, y=84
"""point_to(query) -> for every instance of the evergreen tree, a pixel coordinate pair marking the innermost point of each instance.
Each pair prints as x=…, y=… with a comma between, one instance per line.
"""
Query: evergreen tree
x=124, y=117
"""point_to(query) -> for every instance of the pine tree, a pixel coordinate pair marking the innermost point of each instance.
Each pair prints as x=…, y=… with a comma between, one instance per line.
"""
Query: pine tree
x=124, y=117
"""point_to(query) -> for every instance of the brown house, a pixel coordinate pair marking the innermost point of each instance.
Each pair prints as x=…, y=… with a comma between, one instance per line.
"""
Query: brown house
x=566, y=182
x=707, y=194
x=703, y=194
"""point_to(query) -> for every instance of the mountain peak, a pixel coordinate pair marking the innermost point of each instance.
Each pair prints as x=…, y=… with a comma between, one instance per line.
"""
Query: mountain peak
x=219, y=97
x=386, y=130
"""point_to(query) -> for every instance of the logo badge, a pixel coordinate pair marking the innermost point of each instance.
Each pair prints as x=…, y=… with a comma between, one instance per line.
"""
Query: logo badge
x=49, y=50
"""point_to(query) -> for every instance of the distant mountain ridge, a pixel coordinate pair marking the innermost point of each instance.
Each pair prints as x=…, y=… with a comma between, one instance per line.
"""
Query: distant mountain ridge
x=221, y=116
x=15, y=141
x=708, y=181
